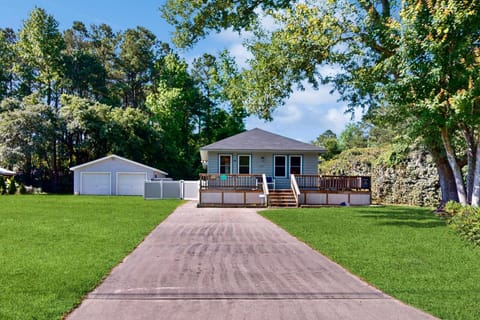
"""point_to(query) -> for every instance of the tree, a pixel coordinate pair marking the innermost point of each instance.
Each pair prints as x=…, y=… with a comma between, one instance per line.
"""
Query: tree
x=353, y=136
x=415, y=60
x=85, y=74
x=175, y=104
x=40, y=45
x=7, y=59
x=26, y=133
x=329, y=141
x=137, y=63
x=221, y=114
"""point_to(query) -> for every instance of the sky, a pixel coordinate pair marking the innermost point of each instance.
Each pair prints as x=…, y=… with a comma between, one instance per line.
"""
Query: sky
x=305, y=116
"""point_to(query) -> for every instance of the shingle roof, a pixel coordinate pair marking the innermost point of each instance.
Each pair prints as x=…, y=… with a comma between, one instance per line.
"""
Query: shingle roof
x=114, y=156
x=260, y=140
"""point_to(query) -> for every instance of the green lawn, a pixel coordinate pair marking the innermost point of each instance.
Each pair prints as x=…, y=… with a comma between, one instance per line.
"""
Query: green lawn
x=55, y=249
x=407, y=252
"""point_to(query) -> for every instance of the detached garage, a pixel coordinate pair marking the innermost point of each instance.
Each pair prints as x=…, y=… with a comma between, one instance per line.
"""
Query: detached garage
x=113, y=175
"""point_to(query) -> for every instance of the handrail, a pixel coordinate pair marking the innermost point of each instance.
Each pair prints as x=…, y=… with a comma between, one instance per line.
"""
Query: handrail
x=266, y=192
x=295, y=188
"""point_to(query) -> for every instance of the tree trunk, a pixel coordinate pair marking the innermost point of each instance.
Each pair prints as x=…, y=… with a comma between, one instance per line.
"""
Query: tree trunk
x=457, y=173
x=470, y=141
x=476, y=179
x=445, y=177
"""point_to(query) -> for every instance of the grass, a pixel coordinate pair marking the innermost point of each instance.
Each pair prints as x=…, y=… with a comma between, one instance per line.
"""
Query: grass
x=407, y=252
x=55, y=249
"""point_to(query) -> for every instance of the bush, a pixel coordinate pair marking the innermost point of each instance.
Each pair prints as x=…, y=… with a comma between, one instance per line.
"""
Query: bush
x=465, y=220
x=12, y=186
x=3, y=186
x=22, y=189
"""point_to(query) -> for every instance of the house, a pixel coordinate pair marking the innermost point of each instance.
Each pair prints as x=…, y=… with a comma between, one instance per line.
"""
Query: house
x=258, y=168
x=260, y=152
x=113, y=175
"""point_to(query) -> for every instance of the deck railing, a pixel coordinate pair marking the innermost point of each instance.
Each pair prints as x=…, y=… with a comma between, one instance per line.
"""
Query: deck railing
x=230, y=181
x=295, y=188
x=333, y=183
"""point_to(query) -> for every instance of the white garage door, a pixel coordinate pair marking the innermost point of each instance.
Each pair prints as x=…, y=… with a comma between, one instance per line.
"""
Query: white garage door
x=96, y=183
x=131, y=183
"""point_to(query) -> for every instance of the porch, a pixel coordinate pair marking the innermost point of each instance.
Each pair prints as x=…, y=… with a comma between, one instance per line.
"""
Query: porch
x=258, y=190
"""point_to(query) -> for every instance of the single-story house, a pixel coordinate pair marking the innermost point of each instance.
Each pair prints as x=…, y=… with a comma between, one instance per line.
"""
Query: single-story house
x=261, y=168
x=113, y=175
x=261, y=152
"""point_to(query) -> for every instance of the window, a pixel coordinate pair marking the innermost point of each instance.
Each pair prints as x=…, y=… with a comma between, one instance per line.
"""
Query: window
x=244, y=164
x=225, y=164
x=295, y=164
x=280, y=166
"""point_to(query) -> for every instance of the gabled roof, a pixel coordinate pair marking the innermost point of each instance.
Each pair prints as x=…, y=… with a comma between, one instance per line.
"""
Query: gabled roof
x=260, y=140
x=114, y=156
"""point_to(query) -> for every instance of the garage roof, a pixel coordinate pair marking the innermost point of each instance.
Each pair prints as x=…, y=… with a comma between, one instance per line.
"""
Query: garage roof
x=114, y=156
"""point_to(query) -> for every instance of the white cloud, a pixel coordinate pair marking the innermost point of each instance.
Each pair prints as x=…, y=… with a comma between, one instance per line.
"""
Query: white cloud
x=241, y=54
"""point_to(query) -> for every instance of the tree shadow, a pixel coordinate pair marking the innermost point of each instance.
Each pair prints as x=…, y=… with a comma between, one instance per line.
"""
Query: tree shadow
x=403, y=217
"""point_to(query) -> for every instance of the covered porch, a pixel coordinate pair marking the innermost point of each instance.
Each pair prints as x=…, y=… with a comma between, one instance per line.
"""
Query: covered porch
x=258, y=190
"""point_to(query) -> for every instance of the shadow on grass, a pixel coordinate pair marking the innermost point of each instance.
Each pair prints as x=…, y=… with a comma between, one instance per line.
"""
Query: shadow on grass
x=402, y=217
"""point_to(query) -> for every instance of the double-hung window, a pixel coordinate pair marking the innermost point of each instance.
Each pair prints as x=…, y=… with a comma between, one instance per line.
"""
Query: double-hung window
x=225, y=164
x=280, y=163
x=244, y=164
x=295, y=164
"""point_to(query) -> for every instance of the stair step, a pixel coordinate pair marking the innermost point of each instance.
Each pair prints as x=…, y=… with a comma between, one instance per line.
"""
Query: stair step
x=281, y=199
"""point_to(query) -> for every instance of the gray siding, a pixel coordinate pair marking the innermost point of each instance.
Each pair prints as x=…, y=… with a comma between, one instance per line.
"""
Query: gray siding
x=263, y=163
x=113, y=166
x=310, y=164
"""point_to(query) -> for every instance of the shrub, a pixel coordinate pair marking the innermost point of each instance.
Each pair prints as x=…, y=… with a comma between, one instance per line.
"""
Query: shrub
x=12, y=186
x=465, y=220
x=3, y=186
x=22, y=189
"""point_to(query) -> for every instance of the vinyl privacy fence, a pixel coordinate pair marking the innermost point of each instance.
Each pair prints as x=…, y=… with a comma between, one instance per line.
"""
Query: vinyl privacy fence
x=165, y=189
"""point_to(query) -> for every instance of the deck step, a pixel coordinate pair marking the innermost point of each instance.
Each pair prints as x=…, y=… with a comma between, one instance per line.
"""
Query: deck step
x=281, y=199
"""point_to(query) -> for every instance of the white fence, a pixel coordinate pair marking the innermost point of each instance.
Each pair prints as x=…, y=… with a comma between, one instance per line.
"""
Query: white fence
x=165, y=189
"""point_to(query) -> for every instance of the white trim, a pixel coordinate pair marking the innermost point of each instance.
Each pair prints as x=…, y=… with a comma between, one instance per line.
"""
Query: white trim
x=114, y=156
x=220, y=163
x=128, y=173
x=274, y=165
x=96, y=172
x=249, y=162
x=290, y=163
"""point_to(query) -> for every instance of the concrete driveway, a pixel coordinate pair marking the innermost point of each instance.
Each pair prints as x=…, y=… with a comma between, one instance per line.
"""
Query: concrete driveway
x=211, y=263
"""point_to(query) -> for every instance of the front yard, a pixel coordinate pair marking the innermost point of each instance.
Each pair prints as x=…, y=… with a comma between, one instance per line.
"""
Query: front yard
x=55, y=249
x=407, y=252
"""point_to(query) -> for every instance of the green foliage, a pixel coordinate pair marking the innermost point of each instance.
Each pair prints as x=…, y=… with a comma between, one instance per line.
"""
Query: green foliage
x=354, y=135
x=11, y=186
x=22, y=189
x=399, y=175
x=56, y=249
x=465, y=220
x=329, y=141
x=3, y=185
x=407, y=252
x=411, y=65
x=70, y=98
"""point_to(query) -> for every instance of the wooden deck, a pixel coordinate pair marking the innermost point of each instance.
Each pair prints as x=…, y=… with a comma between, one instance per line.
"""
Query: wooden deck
x=308, y=190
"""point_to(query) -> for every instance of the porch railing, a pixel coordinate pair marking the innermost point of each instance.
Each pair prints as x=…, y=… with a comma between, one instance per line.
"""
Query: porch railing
x=333, y=183
x=230, y=181
x=295, y=188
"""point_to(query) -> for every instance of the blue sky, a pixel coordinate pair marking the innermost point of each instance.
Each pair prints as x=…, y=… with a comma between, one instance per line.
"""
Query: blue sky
x=305, y=115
